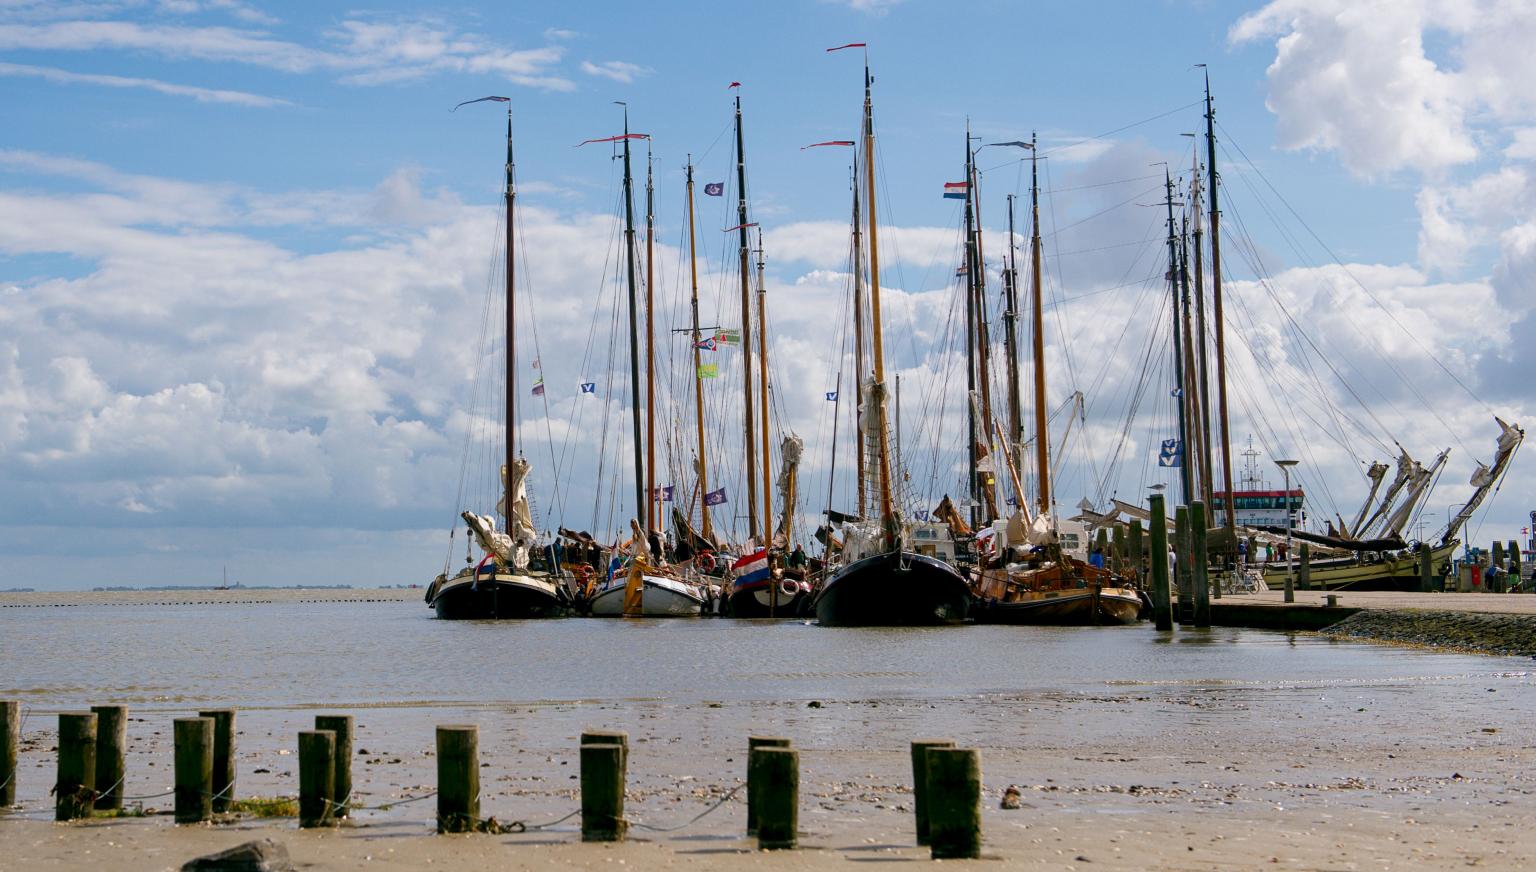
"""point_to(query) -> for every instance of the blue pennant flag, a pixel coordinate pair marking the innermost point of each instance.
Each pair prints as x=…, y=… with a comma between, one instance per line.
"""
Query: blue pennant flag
x=831, y=396
x=921, y=514
x=1176, y=392
x=589, y=387
x=1172, y=453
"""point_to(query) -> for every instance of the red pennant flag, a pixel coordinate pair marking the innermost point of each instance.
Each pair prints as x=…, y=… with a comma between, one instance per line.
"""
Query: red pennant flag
x=615, y=138
x=849, y=45
x=828, y=142
x=733, y=85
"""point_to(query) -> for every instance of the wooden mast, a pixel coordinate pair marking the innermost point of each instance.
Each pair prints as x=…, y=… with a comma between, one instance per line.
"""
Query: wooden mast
x=1185, y=484
x=973, y=475
x=762, y=365
x=1229, y=515
x=1189, y=394
x=1201, y=332
x=1011, y=340
x=983, y=334
x=858, y=346
x=746, y=327
x=707, y=528
x=651, y=503
x=877, y=348
x=1042, y=450
x=511, y=388
x=634, y=327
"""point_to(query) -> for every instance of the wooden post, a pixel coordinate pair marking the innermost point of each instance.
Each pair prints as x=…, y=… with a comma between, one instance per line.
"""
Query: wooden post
x=1426, y=568
x=223, y=756
x=954, y=803
x=1186, y=599
x=458, y=778
x=1138, y=549
x=194, y=769
x=111, y=742
x=1304, y=572
x=317, y=778
x=608, y=737
x=1514, y=565
x=1119, y=550
x=753, y=800
x=920, y=750
x=341, y=787
x=1333, y=601
x=602, y=793
x=1199, y=564
x=1162, y=614
x=76, y=785
x=10, y=737
x=1496, y=559
x=773, y=775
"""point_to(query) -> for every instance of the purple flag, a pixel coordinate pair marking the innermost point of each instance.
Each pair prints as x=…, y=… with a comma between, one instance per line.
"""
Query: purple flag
x=715, y=497
x=714, y=189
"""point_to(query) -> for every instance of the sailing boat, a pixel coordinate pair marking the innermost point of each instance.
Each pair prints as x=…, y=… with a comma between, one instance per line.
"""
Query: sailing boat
x=882, y=582
x=1034, y=581
x=644, y=587
x=512, y=579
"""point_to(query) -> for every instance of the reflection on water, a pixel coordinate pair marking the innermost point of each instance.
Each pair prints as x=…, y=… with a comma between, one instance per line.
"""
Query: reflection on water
x=289, y=655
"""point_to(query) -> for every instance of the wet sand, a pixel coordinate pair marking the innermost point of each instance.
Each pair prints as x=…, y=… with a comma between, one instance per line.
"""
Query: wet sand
x=1304, y=778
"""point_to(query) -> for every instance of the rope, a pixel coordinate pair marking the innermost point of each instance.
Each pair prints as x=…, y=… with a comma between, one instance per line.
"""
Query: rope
x=695, y=819
x=523, y=827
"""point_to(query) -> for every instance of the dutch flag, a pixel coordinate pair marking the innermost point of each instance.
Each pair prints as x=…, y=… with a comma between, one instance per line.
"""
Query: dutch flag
x=751, y=569
x=955, y=190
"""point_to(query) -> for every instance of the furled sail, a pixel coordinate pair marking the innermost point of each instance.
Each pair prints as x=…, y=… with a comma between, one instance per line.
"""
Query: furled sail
x=512, y=547
x=789, y=453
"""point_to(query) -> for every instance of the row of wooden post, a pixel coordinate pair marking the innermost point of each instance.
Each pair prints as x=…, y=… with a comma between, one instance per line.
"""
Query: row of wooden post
x=91, y=767
x=93, y=746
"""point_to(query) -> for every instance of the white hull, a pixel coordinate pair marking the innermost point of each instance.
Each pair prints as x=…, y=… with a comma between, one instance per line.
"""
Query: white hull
x=661, y=597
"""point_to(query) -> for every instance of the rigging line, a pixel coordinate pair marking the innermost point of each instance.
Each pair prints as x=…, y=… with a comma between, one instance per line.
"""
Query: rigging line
x=1350, y=273
x=1142, y=241
x=1382, y=355
x=1107, y=133
x=1056, y=230
x=529, y=295
x=1321, y=393
x=1066, y=339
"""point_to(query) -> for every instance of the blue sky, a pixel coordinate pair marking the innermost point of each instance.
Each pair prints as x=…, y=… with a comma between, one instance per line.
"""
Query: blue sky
x=239, y=235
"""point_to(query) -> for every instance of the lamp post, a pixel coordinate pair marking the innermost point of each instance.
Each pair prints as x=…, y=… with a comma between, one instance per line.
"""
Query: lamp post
x=1290, y=579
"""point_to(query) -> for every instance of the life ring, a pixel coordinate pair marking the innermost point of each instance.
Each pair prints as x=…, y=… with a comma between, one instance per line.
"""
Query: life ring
x=789, y=588
x=705, y=561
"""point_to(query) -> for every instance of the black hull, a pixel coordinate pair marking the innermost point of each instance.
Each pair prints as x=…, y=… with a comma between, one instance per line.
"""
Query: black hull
x=496, y=600
x=744, y=604
x=893, y=590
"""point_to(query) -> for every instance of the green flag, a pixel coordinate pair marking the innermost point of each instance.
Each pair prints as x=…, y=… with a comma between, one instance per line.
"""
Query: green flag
x=709, y=370
x=728, y=337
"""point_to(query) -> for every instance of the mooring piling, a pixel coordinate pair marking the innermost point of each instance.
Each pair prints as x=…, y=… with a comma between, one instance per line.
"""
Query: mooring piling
x=954, y=803
x=193, y=739
x=1186, y=596
x=602, y=793
x=10, y=738
x=111, y=745
x=1199, y=565
x=317, y=778
x=754, y=742
x=1426, y=568
x=1138, y=549
x=773, y=778
x=1304, y=571
x=920, y=790
x=75, y=788
x=458, y=778
x=1162, y=612
x=341, y=787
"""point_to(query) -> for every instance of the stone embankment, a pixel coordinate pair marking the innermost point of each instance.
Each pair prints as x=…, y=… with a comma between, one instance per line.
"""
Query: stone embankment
x=1476, y=632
